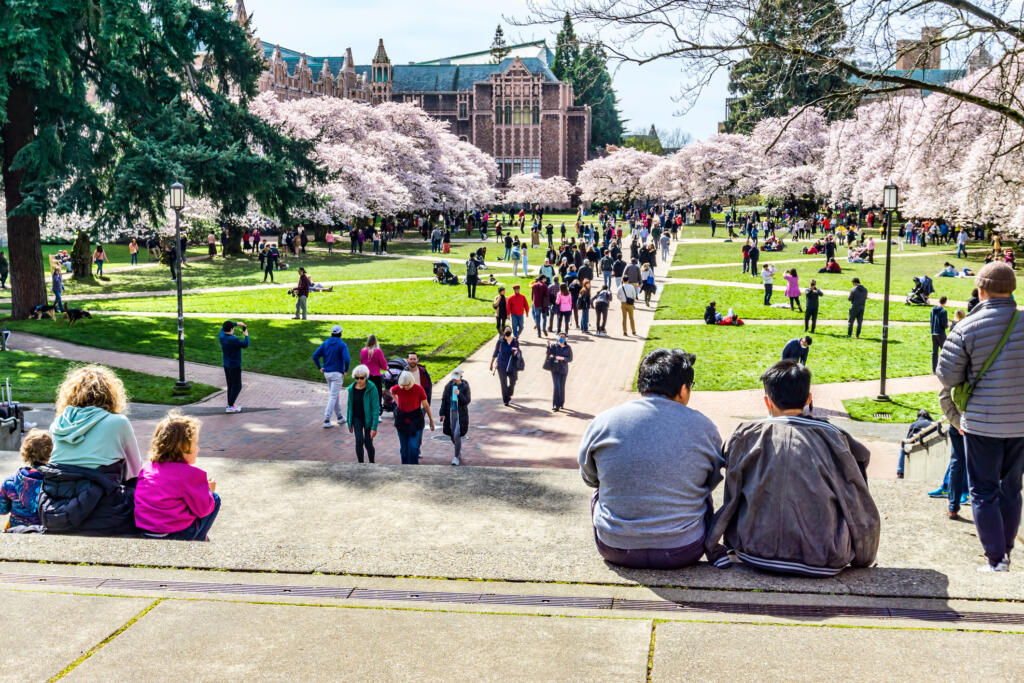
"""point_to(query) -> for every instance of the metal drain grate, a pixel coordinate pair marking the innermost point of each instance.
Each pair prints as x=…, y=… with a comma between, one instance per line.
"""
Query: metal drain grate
x=761, y=609
x=883, y=416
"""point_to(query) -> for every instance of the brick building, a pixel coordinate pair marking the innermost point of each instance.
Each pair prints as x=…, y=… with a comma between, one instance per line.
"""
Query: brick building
x=516, y=111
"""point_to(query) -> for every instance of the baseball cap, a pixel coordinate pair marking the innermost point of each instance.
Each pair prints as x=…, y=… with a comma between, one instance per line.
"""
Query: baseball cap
x=515, y=286
x=336, y=329
x=457, y=373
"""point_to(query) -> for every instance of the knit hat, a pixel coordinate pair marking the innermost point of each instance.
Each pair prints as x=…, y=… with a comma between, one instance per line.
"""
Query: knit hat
x=997, y=277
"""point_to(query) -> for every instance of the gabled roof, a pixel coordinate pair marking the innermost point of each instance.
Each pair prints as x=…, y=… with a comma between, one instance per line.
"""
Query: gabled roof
x=543, y=52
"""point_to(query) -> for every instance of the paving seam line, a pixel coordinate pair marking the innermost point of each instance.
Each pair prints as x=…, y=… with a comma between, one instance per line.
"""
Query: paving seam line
x=473, y=598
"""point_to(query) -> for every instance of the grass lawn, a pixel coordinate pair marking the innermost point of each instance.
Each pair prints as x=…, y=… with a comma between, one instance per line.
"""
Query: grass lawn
x=727, y=252
x=903, y=408
x=278, y=347
x=35, y=378
x=687, y=302
x=731, y=358
x=871, y=276
x=390, y=298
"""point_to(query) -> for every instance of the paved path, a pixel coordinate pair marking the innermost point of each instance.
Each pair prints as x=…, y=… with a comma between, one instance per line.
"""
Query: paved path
x=806, y=258
x=793, y=321
x=288, y=316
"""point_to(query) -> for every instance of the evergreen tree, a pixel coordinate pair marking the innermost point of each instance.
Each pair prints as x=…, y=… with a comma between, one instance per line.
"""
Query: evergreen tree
x=592, y=84
x=769, y=83
x=567, y=51
x=499, y=49
x=645, y=141
x=103, y=104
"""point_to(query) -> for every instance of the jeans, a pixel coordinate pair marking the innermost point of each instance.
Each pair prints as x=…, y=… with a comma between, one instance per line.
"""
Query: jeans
x=961, y=250
x=234, y=378
x=409, y=447
x=508, y=384
x=664, y=250
x=811, y=317
x=653, y=558
x=363, y=439
x=746, y=264
x=197, y=530
x=584, y=319
x=518, y=323
x=135, y=259
x=767, y=294
x=300, y=305
x=627, y=313
x=994, y=470
x=508, y=253
x=58, y=302
x=539, y=319
x=335, y=385
x=607, y=276
x=558, y=396
x=856, y=315
x=957, y=474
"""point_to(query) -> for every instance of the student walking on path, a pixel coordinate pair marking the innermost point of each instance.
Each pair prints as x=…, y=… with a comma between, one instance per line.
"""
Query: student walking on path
x=363, y=412
x=627, y=296
x=99, y=257
x=301, y=294
x=518, y=307
x=373, y=358
x=557, y=362
x=454, y=414
x=858, y=298
x=500, y=305
x=231, y=352
x=506, y=359
x=334, y=354
x=992, y=417
x=410, y=406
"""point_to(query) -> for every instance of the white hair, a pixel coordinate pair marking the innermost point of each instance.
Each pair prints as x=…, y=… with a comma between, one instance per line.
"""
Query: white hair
x=405, y=380
x=360, y=371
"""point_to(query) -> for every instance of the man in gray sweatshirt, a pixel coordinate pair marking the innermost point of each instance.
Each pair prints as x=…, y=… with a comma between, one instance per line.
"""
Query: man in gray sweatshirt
x=654, y=462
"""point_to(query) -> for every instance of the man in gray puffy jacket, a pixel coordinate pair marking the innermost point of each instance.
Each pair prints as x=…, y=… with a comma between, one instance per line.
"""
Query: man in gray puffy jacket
x=993, y=422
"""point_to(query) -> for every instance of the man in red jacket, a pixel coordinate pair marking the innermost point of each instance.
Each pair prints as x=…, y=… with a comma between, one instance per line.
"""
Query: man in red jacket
x=518, y=307
x=539, y=294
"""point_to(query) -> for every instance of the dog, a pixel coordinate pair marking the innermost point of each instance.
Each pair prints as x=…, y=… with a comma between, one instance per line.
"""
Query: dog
x=44, y=311
x=73, y=314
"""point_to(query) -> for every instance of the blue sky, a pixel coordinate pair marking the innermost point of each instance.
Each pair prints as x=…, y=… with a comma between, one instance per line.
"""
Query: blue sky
x=427, y=29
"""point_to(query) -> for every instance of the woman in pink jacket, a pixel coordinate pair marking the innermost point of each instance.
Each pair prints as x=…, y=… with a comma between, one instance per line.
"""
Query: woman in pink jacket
x=793, y=289
x=563, y=304
x=373, y=358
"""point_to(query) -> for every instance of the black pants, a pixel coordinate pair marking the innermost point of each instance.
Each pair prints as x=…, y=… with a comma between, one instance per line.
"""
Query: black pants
x=378, y=381
x=753, y=267
x=363, y=439
x=563, y=316
x=471, y=286
x=234, y=378
x=856, y=315
x=508, y=384
x=937, y=341
x=269, y=270
x=994, y=468
x=499, y=322
x=812, y=318
x=795, y=300
x=602, y=317
x=767, y=294
x=558, y=397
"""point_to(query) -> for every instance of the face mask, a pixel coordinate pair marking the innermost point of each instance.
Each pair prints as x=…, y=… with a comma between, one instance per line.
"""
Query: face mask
x=561, y=340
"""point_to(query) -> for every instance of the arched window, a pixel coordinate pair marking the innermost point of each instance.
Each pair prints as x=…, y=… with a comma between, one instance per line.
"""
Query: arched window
x=497, y=115
x=536, y=114
x=508, y=114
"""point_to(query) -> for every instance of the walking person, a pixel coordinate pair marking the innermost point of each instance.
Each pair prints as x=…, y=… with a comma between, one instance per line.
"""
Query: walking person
x=133, y=252
x=986, y=349
x=793, y=289
x=231, y=351
x=601, y=302
x=270, y=263
x=454, y=414
x=627, y=295
x=500, y=306
x=812, y=294
x=57, y=285
x=211, y=245
x=563, y=306
x=363, y=412
x=518, y=307
x=506, y=360
x=516, y=255
x=376, y=364
x=557, y=362
x=334, y=354
x=99, y=257
x=539, y=295
x=583, y=306
x=301, y=294
x=768, y=278
x=939, y=322
x=410, y=406
x=858, y=299
x=754, y=255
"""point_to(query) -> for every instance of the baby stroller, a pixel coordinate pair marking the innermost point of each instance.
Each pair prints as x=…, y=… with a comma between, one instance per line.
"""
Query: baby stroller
x=444, y=275
x=917, y=296
x=396, y=366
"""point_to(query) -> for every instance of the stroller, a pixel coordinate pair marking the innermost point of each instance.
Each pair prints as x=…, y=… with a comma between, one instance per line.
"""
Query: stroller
x=444, y=275
x=918, y=295
x=396, y=366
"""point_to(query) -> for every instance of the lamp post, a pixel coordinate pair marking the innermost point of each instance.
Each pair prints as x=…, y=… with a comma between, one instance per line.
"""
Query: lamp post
x=890, y=202
x=177, y=203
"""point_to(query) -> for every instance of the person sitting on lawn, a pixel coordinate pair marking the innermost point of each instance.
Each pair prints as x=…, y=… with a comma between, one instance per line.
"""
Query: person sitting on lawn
x=796, y=493
x=832, y=267
x=948, y=270
x=711, y=315
x=19, y=495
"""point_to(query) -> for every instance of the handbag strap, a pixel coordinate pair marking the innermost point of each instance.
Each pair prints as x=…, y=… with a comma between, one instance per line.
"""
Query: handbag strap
x=997, y=349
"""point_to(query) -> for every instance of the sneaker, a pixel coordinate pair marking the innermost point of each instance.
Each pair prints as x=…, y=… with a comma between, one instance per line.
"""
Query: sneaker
x=341, y=420
x=965, y=499
x=952, y=514
x=456, y=461
x=1003, y=566
x=327, y=424
x=236, y=409
x=229, y=410
x=939, y=493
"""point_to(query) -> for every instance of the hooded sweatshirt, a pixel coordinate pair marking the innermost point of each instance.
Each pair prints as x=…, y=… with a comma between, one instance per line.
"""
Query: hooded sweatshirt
x=91, y=437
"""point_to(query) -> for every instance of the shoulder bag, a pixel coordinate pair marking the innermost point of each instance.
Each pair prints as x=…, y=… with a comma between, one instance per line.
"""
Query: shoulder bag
x=962, y=392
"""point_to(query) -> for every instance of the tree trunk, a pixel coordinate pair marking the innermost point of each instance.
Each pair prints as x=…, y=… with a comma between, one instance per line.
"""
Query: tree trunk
x=28, y=285
x=234, y=243
x=81, y=256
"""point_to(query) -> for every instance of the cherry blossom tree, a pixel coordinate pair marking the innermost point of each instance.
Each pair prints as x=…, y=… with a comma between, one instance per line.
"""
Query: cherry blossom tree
x=526, y=188
x=616, y=177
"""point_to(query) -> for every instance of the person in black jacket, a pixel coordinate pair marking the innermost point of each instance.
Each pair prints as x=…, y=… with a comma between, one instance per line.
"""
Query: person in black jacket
x=811, y=296
x=939, y=321
x=455, y=401
x=858, y=298
x=506, y=361
x=559, y=357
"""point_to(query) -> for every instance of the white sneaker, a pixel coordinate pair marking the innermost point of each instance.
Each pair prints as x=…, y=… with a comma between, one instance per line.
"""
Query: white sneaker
x=456, y=461
x=341, y=421
x=1003, y=566
x=228, y=410
x=327, y=424
x=234, y=409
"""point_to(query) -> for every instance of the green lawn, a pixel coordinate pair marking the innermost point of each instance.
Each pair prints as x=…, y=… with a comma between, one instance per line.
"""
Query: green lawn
x=731, y=358
x=903, y=408
x=35, y=378
x=278, y=347
x=727, y=252
x=390, y=298
x=687, y=302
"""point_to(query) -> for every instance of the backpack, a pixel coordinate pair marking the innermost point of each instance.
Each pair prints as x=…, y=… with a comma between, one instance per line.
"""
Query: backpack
x=471, y=268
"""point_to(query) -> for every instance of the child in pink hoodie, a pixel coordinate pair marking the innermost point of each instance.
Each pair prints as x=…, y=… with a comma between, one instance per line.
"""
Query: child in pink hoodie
x=174, y=499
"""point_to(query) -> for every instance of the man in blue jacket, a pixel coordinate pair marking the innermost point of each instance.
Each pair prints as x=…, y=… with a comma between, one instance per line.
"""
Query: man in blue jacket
x=939, y=321
x=334, y=353
x=797, y=349
x=231, y=348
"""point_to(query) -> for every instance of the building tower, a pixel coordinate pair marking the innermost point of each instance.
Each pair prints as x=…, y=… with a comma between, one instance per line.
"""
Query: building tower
x=380, y=76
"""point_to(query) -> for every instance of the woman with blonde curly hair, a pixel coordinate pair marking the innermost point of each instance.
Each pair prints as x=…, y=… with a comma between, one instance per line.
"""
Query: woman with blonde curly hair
x=94, y=454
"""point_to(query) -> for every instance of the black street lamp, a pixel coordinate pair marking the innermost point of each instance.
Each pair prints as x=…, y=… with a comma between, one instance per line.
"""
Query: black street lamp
x=890, y=202
x=176, y=200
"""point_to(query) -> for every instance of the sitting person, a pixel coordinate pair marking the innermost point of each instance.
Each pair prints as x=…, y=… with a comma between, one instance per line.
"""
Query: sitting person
x=796, y=493
x=730, y=319
x=831, y=267
x=491, y=280
x=19, y=495
x=711, y=315
x=924, y=421
x=1009, y=257
x=174, y=499
x=653, y=501
x=948, y=270
x=855, y=255
x=88, y=483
